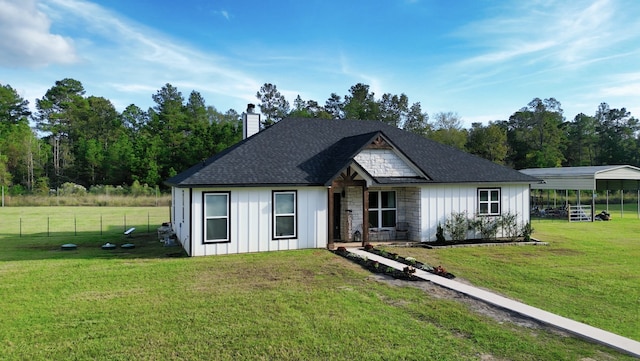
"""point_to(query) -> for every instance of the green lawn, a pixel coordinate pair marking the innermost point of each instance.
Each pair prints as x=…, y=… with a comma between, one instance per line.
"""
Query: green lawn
x=590, y=272
x=92, y=304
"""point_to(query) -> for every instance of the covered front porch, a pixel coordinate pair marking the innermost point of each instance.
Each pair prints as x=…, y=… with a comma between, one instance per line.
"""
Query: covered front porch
x=359, y=214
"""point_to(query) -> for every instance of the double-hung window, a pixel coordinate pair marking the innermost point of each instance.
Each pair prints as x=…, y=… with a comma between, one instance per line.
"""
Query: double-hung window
x=382, y=209
x=284, y=215
x=489, y=202
x=216, y=217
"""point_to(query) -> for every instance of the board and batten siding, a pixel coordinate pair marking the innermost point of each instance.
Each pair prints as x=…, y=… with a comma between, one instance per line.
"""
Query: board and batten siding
x=439, y=201
x=180, y=216
x=251, y=221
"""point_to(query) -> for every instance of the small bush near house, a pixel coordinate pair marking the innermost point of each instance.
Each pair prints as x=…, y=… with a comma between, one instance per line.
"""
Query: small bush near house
x=509, y=225
x=486, y=226
x=456, y=226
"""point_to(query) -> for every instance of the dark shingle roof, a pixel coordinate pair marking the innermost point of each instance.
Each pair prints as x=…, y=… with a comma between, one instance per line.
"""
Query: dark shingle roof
x=301, y=151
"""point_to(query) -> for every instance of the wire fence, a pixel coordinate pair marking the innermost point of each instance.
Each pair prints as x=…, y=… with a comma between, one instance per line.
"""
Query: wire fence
x=81, y=224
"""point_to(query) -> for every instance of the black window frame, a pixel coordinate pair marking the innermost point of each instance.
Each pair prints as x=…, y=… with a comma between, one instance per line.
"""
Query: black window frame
x=274, y=219
x=204, y=218
x=489, y=202
x=380, y=209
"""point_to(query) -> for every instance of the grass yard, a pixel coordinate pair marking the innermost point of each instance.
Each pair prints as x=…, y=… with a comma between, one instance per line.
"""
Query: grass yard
x=590, y=272
x=92, y=304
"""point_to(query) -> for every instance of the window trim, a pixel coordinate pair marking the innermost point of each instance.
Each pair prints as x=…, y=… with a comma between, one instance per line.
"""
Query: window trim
x=275, y=216
x=204, y=218
x=489, y=202
x=380, y=209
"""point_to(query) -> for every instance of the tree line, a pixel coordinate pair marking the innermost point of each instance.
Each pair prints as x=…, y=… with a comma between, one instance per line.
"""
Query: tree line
x=79, y=139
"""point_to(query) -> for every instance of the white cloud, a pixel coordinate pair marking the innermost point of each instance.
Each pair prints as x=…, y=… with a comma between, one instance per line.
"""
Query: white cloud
x=553, y=33
x=26, y=40
x=126, y=60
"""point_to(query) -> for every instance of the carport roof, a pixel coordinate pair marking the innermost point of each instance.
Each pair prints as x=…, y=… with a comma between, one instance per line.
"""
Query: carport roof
x=605, y=177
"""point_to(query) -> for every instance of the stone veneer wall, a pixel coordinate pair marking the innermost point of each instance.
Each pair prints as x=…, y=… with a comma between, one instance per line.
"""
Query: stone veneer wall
x=384, y=163
x=353, y=201
x=408, y=209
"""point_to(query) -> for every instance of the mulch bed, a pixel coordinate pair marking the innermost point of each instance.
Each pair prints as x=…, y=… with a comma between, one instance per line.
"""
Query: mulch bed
x=376, y=267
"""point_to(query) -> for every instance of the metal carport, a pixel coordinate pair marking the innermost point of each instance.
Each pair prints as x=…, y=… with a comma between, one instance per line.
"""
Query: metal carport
x=592, y=178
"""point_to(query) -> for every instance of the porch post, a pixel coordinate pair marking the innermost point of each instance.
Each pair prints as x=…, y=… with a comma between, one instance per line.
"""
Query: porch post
x=365, y=215
x=330, y=244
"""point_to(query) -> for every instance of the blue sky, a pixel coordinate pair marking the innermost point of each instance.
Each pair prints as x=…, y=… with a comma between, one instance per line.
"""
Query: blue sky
x=481, y=59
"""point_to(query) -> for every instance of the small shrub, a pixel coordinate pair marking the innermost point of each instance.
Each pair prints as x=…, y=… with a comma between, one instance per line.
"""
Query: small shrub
x=69, y=188
x=526, y=231
x=457, y=225
x=440, y=234
x=17, y=190
x=486, y=226
x=509, y=224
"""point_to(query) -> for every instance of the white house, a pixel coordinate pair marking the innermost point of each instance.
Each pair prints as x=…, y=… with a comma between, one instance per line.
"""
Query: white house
x=305, y=183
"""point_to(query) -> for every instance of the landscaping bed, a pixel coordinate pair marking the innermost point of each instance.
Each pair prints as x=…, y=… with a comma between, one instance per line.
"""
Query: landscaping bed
x=483, y=243
x=407, y=273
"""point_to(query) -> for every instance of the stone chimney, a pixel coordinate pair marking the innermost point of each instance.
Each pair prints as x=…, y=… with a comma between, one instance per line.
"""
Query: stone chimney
x=250, y=122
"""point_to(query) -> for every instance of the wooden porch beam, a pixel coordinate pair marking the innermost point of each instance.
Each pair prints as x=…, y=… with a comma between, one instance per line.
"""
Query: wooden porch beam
x=330, y=243
x=365, y=215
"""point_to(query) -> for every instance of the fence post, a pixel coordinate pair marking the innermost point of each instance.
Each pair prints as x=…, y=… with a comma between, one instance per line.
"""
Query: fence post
x=75, y=226
x=20, y=227
x=48, y=234
x=125, y=223
x=101, y=224
x=148, y=225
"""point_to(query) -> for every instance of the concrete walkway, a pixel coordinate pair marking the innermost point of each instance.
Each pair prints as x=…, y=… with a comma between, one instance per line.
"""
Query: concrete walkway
x=622, y=344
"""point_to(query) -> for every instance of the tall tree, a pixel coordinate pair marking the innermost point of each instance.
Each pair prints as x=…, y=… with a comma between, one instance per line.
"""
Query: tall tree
x=361, y=104
x=97, y=128
x=335, y=106
x=56, y=116
x=300, y=109
x=273, y=105
x=448, y=130
x=536, y=135
x=393, y=109
x=488, y=142
x=166, y=136
x=417, y=122
x=13, y=108
x=582, y=141
x=308, y=109
x=15, y=138
x=134, y=118
x=617, y=131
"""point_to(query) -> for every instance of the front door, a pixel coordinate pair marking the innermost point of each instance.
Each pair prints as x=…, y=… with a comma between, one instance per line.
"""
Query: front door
x=336, y=216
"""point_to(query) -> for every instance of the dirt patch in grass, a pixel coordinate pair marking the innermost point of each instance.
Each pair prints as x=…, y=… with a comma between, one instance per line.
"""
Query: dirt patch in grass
x=479, y=307
x=565, y=252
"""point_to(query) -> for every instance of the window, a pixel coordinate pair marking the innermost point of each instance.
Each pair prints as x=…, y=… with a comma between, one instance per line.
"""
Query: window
x=489, y=202
x=284, y=215
x=382, y=209
x=216, y=217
